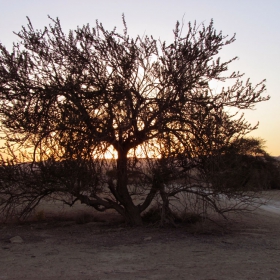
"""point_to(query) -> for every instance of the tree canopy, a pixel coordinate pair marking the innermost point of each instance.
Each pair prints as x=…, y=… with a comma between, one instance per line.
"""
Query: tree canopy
x=71, y=97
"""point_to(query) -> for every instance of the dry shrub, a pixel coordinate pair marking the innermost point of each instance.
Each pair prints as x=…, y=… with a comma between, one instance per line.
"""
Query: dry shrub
x=154, y=216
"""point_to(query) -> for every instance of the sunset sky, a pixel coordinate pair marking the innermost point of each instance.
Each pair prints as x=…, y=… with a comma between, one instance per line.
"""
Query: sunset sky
x=256, y=24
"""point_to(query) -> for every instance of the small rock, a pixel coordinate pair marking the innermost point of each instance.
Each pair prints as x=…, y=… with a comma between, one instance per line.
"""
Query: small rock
x=16, y=239
x=148, y=238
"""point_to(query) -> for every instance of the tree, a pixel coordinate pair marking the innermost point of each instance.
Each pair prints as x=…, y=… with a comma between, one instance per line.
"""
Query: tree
x=74, y=97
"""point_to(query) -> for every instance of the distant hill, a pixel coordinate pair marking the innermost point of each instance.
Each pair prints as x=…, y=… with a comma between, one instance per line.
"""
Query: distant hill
x=277, y=158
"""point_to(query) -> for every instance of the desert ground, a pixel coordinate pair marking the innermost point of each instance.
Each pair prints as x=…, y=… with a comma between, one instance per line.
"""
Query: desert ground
x=76, y=243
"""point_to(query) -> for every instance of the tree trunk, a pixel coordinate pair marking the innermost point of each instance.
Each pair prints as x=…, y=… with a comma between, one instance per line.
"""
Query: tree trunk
x=132, y=212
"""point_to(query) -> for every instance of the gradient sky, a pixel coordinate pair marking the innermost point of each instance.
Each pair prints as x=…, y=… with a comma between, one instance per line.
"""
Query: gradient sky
x=256, y=24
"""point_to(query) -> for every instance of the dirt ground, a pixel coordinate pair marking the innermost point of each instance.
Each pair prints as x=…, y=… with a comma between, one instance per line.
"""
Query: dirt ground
x=60, y=244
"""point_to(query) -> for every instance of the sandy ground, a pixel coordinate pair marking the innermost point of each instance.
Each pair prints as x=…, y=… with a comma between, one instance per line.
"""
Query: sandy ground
x=101, y=247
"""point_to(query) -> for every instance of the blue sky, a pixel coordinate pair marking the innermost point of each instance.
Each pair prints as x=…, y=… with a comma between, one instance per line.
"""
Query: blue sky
x=256, y=24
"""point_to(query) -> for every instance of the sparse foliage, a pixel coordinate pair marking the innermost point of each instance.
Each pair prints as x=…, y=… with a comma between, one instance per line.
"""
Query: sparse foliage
x=69, y=100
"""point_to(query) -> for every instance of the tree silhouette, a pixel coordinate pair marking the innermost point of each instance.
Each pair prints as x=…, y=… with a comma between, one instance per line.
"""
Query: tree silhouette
x=73, y=97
